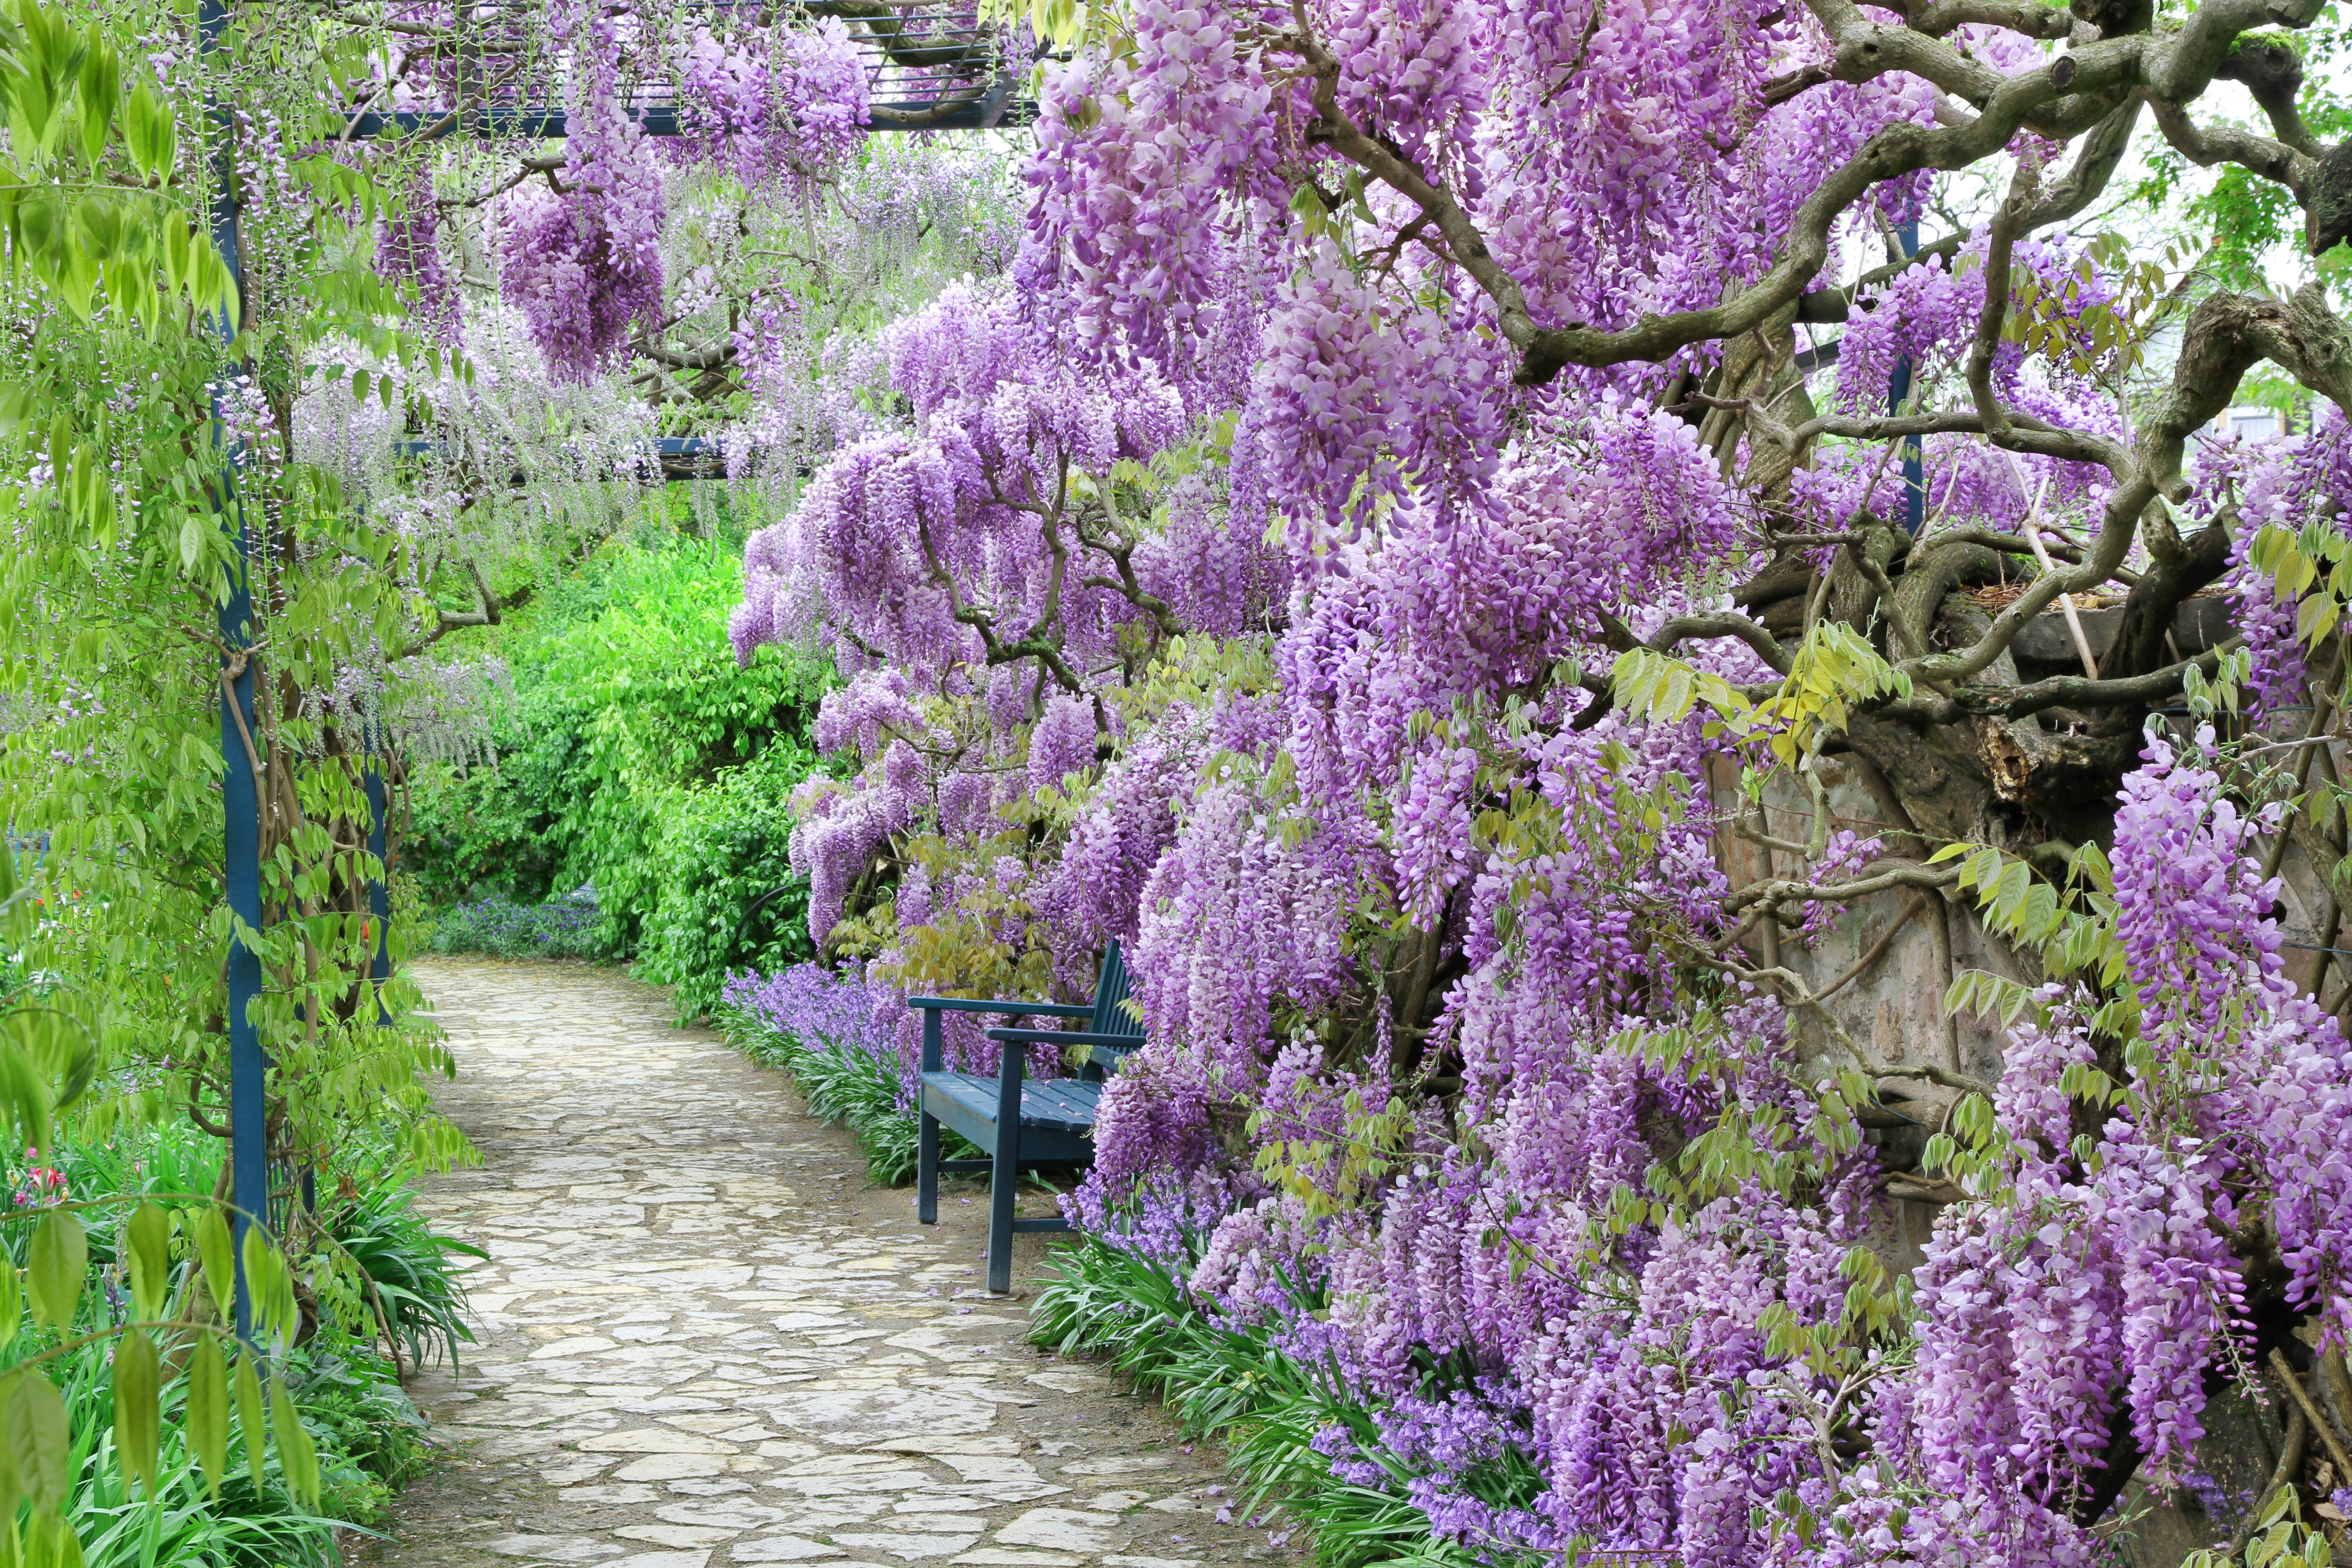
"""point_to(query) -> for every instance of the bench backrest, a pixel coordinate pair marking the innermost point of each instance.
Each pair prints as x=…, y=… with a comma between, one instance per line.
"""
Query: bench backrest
x=1112, y=1016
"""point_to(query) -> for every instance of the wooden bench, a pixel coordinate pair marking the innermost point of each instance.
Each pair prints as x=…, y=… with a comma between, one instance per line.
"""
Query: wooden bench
x=1028, y=1123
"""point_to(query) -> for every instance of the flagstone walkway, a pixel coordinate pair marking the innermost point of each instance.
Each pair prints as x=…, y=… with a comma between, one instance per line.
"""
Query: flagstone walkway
x=706, y=1342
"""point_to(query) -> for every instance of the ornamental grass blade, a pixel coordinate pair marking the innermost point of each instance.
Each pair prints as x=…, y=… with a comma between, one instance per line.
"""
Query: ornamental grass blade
x=138, y=1404
x=207, y=1411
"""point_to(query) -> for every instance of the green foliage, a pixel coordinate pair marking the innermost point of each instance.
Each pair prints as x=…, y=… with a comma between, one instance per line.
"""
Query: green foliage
x=2280, y=1540
x=126, y=1399
x=640, y=760
x=567, y=927
x=411, y=1285
x=1833, y=668
x=111, y=658
x=1230, y=1383
x=726, y=896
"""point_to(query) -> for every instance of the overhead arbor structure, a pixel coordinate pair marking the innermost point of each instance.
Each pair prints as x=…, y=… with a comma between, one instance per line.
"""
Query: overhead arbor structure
x=272, y=463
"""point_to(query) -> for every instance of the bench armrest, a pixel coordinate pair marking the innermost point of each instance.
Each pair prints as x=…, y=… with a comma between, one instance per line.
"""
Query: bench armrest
x=1006, y=1009
x=1066, y=1038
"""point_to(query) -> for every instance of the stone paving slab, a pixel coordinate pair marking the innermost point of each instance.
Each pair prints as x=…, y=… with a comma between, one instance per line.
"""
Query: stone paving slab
x=705, y=1341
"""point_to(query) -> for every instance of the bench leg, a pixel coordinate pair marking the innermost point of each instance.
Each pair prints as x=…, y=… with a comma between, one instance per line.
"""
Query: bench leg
x=1000, y=1209
x=927, y=1169
x=927, y=1130
x=1007, y=1172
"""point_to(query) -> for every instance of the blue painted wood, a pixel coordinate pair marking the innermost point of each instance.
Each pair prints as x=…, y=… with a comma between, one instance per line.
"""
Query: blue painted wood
x=967, y=1101
x=1004, y=1181
x=248, y=1106
x=1024, y=1123
x=926, y=1128
x=1000, y=1009
x=1112, y=1016
x=379, y=845
x=1104, y=1052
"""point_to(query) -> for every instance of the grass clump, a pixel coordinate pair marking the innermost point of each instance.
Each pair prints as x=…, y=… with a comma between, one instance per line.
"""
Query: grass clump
x=1226, y=1378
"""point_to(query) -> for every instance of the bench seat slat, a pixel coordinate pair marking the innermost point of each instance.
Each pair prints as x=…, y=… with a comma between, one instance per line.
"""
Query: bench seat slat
x=1052, y=1105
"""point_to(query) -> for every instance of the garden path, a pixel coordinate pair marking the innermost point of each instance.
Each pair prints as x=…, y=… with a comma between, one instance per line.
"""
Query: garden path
x=705, y=1342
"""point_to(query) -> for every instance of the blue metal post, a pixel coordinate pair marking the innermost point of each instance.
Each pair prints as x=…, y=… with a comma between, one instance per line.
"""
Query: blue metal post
x=379, y=887
x=1915, y=477
x=248, y=1104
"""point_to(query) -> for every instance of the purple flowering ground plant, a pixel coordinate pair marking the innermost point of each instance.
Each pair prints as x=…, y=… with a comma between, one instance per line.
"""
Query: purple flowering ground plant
x=826, y=1029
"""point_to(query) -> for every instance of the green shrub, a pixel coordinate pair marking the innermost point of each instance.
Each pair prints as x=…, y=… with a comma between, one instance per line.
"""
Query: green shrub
x=638, y=759
x=370, y=1437
x=412, y=1284
x=727, y=897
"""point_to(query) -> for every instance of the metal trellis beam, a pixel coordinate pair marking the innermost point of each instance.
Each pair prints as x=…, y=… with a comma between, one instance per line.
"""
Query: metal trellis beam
x=248, y=1102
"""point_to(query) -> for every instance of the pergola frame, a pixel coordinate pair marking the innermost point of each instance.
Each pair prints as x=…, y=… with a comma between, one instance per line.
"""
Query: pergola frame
x=884, y=36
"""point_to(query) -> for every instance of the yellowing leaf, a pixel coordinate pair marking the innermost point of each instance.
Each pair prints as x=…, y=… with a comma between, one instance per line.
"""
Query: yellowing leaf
x=219, y=1259
x=249, y=1419
x=298, y=1455
x=39, y=1436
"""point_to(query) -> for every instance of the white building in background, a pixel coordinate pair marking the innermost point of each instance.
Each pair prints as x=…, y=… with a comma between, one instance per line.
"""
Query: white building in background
x=2249, y=424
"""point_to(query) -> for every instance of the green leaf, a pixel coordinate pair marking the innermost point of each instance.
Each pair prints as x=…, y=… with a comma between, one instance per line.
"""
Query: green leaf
x=56, y=1263
x=2315, y=617
x=148, y=131
x=138, y=1404
x=11, y=1490
x=269, y=1288
x=149, y=1232
x=50, y=1542
x=219, y=1258
x=101, y=89
x=206, y=1415
x=39, y=1437
x=250, y=1417
x=12, y=1307
x=24, y=1043
x=297, y=1456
